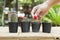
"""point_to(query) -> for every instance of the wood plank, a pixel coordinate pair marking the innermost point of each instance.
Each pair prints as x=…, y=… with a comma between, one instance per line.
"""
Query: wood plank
x=35, y=38
x=8, y=38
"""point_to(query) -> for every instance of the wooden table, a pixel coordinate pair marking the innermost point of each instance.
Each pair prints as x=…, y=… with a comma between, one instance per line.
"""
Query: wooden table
x=5, y=35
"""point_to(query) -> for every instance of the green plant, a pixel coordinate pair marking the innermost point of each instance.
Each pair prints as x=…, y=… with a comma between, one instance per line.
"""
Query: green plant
x=54, y=16
x=35, y=19
x=46, y=19
x=13, y=17
x=24, y=19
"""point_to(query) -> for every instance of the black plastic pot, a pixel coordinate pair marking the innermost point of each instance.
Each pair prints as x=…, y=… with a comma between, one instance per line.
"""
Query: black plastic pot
x=13, y=27
x=25, y=26
x=35, y=26
x=46, y=27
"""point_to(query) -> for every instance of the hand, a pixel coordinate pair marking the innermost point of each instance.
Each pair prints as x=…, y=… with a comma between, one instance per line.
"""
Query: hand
x=40, y=10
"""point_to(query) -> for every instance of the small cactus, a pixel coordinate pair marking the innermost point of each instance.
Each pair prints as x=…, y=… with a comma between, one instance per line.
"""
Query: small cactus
x=23, y=18
x=13, y=16
x=35, y=19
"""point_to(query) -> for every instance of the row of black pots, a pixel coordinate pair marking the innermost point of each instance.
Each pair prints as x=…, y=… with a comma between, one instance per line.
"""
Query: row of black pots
x=25, y=27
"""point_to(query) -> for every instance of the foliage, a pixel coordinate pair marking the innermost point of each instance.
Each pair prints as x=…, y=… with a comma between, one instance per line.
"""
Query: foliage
x=46, y=19
x=1, y=10
x=54, y=15
x=30, y=2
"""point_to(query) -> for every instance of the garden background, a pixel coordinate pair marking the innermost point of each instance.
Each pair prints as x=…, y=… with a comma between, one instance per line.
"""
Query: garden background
x=53, y=15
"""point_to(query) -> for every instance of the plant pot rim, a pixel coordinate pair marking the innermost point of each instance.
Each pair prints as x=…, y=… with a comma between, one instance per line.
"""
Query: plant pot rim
x=46, y=22
x=35, y=22
x=12, y=22
x=23, y=21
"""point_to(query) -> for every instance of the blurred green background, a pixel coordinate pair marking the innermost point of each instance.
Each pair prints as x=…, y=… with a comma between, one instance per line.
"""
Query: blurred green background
x=53, y=15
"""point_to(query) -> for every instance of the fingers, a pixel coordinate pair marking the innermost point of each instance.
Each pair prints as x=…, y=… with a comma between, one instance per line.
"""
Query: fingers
x=38, y=11
x=40, y=16
x=33, y=10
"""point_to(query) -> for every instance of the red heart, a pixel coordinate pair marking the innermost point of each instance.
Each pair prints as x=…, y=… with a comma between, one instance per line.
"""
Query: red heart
x=35, y=17
x=22, y=17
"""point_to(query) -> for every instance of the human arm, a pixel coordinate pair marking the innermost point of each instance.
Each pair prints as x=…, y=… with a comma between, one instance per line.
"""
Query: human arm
x=43, y=8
